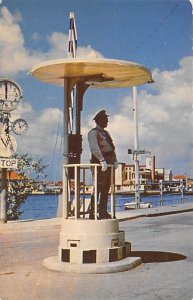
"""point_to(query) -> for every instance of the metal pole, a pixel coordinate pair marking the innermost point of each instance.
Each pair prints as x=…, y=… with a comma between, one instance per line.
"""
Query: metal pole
x=95, y=192
x=112, y=191
x=3, y=208
x=182, y=190
x=83, y=198
x=80, y=90
x=75, y=193
x=136, y=145
x=161, y=192
x=113, y=210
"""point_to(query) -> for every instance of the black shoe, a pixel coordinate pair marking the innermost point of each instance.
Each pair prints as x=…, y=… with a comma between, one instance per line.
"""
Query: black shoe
x=104, y=215
x=92, y=217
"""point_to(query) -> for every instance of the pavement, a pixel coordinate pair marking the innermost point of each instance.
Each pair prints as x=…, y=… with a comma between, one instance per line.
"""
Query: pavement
x=161, y=236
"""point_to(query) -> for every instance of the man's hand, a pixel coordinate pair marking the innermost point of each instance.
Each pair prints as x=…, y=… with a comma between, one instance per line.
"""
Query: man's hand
x=103, y=165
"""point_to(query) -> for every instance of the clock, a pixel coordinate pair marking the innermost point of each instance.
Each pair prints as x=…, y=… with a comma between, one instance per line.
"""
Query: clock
x=10, y=95
x=19, y=126
x=8, y=145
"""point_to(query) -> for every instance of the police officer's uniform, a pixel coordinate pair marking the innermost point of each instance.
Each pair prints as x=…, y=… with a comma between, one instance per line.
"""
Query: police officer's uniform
x=102, y=149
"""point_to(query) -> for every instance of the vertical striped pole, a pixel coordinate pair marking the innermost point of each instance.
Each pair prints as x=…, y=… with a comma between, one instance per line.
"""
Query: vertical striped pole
x=72, y=51
x=73, y=38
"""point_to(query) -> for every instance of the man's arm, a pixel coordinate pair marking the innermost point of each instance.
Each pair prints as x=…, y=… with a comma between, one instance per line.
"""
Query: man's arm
x=94, y=146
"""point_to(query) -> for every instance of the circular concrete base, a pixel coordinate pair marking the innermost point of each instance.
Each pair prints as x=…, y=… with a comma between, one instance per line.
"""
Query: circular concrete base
x=125, y=264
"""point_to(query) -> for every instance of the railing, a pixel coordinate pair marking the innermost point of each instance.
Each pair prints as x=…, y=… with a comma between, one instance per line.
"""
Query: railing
x=181, y=191
x=79, y=190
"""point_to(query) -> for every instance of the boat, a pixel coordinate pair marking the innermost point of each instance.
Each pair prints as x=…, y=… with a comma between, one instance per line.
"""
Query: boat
x=133, y=205
x=36, y=192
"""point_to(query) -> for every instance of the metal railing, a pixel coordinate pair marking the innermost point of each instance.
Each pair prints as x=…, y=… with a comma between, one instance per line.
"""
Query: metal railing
x=161, y=186
x=79, y=190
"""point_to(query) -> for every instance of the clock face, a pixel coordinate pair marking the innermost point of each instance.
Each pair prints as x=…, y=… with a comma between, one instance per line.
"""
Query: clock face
x=10, y=95
x=19, y=126
x=8, y=145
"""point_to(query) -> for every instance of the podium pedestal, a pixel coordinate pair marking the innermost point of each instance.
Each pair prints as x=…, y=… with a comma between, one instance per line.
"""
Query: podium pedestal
x=92, y=246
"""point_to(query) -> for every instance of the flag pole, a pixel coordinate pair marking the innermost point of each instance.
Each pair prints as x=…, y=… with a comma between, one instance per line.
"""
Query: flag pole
x=72, y=51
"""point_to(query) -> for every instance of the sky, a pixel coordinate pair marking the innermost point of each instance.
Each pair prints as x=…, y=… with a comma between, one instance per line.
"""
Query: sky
x=154, y=33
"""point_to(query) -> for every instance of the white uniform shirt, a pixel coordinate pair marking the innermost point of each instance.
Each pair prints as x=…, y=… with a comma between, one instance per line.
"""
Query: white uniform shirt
x=98, y=142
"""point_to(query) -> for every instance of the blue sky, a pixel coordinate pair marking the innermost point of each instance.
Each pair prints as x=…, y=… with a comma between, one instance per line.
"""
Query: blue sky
x=154, y=33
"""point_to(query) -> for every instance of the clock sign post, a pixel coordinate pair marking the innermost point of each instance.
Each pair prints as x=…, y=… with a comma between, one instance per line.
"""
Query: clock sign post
x=10, y=97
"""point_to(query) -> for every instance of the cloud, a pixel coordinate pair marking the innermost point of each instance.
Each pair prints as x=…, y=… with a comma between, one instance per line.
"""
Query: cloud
x=44, y=128
x=35, y=37
x=11, y=42
x=16, y=58
x=165, y=120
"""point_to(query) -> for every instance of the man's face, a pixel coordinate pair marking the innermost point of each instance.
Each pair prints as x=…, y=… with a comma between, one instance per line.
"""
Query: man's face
x=103, y=122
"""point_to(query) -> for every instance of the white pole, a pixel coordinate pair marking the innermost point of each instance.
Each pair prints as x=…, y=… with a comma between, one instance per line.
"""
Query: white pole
x=136, y=142
x=161, y=192
x=95, y=192
x=76, y=193
x=3, y=197
x=136, y=146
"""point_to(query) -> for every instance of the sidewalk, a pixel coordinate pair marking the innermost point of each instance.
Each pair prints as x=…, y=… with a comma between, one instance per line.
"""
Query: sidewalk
x=25, y=244
x=155, y=211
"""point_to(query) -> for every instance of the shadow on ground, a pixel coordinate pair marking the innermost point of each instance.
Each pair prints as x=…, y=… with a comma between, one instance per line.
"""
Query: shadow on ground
x=156, y=256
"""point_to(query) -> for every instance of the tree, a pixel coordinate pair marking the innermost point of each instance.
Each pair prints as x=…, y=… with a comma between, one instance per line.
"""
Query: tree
x=29, y=171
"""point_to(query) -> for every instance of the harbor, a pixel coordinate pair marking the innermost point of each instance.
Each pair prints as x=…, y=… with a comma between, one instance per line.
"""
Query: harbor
x=39, y=207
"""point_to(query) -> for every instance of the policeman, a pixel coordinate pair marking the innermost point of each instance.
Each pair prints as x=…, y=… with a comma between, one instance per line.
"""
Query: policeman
x=103, y=153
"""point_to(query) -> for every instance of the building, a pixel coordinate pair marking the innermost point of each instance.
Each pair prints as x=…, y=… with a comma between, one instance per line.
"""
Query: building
x=149, y=176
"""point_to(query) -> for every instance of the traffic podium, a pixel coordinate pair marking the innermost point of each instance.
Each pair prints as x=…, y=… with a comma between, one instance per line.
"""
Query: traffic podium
x=90, y=246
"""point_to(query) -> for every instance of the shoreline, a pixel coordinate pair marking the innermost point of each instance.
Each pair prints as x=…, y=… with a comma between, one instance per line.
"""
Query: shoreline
x=146, y=193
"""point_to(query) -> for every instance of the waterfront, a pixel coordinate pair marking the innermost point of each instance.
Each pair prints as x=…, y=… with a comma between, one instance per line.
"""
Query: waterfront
x=45, y=206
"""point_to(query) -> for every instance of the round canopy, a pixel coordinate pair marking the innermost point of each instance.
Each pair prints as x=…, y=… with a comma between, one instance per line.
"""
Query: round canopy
x=98, y=73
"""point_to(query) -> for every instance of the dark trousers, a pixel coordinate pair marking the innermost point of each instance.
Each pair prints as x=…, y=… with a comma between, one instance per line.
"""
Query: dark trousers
x=104, y=183
x=103, y=186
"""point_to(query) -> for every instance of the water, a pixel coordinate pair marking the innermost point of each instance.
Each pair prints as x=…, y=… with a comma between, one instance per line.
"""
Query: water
x=40, y=207
x=45, y=206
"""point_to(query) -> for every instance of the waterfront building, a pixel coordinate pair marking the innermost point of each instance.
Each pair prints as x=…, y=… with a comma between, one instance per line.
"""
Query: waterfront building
x=149, y=176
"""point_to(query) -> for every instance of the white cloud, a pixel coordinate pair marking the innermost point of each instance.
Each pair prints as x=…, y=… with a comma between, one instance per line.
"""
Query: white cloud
x=35, y=36
x=44, y=126
x=11, y=42
x=165, y=120
x=16, y=58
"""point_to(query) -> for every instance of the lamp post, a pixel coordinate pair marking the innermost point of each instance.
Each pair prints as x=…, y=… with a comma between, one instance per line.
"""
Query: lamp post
x=136, y=146
x=186, y=174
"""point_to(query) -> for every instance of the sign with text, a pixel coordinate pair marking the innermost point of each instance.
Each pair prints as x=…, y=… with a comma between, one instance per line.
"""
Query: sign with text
x=8, y=163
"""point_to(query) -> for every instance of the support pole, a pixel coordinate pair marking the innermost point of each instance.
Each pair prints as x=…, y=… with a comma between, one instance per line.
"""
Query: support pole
x=81, y=88
x=136, y=145
x=3, y=210
x=182, y=191
x=95, y=193
x=161, y=192
x=67, y=95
